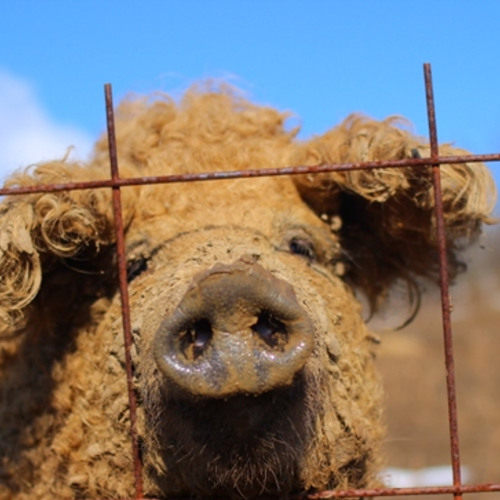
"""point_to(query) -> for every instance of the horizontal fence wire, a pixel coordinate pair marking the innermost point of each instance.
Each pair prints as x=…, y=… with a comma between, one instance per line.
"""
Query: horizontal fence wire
x=115, y=182
x=245, y=174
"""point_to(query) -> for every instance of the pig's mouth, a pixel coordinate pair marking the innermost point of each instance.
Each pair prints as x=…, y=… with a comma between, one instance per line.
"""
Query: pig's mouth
x=245, y=418
x=243, y=445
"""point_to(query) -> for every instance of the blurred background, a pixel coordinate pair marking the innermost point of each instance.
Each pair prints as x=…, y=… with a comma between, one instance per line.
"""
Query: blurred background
x=412, y=364
x=320, y=60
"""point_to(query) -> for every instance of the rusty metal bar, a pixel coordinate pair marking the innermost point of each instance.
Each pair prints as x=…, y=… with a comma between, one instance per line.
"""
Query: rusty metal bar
x=236, y=174
x=380, y=492
x=388, y=492
x=383, y=492
x=122, y=276
x=444, y=284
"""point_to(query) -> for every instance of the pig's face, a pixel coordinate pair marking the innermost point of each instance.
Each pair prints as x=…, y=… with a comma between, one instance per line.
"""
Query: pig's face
x=253, y=359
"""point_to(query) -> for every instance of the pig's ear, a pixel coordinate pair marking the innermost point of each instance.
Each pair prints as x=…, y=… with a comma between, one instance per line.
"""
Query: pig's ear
x=388, y=229
x=51, y=241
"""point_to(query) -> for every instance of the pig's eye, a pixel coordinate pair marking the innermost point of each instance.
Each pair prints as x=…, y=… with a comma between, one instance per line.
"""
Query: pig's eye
x=303, y=247
x=136, y=267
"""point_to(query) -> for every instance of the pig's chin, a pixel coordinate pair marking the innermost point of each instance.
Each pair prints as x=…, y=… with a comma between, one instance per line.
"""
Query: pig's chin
x=243, y=443
x=244, y=418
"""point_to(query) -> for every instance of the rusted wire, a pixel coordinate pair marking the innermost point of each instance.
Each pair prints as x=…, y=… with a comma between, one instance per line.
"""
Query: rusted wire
x=380, y=492
x=444, y=284
x=238, y=174
x=389, y=492
x=122, y=277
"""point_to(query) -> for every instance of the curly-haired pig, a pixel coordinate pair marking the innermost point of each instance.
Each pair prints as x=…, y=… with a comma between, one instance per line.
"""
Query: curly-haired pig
x=252, y=364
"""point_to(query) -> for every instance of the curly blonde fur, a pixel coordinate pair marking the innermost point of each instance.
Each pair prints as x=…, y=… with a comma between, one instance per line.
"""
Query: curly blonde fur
x=62, y=402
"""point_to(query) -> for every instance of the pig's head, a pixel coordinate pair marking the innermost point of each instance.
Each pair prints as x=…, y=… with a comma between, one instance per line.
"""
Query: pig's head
x=255, y=362
x=252, y=363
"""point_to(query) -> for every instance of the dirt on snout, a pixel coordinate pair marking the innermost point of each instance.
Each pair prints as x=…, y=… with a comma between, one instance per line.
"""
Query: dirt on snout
x=412, y=364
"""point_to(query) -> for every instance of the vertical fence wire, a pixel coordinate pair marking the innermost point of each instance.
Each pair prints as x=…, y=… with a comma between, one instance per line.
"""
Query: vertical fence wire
x=443, y=282
x=122, y=277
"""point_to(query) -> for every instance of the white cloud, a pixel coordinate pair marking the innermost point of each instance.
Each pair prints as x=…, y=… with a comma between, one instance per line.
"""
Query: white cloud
x=27, y=132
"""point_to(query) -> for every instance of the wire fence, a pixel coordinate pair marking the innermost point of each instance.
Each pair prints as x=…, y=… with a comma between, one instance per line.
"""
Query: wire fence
x=115, y=183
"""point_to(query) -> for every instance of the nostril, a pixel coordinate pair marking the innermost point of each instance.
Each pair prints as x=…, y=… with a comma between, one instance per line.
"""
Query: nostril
x=196, y=338
x=270, y=329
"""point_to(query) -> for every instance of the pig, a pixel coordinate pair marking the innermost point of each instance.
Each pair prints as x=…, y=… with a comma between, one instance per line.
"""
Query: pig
x=253, y=367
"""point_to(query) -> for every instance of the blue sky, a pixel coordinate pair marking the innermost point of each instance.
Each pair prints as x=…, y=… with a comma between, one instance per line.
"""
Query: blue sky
x=320, y=59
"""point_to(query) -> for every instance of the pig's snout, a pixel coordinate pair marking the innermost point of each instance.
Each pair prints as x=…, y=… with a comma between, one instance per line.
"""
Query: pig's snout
x=238, y=329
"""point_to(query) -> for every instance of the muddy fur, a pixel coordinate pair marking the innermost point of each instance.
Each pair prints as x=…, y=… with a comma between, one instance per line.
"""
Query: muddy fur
x=63, y=398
